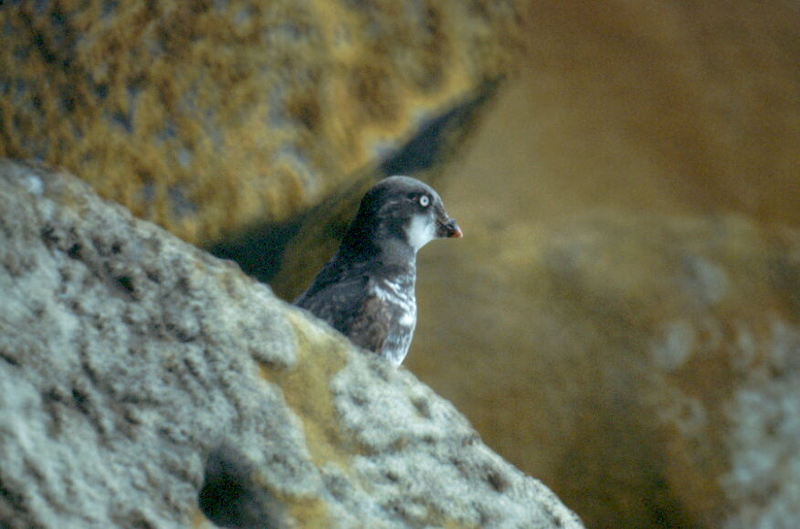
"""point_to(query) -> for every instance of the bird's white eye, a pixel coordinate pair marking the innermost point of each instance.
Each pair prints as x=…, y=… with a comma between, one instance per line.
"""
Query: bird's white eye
x=424, y=200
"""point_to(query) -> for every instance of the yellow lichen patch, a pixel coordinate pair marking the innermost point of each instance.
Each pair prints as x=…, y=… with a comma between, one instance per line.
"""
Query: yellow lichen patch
x=199, y=520
x=306, y=388
x=307, y=512
x=453, y=524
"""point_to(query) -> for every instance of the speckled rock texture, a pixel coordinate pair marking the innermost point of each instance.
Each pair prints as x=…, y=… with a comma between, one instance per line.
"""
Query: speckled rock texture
x=144, y=383
x=209, y=117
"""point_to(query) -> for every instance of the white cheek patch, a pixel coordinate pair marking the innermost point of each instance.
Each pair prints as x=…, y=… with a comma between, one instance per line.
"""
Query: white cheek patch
x=420, y=231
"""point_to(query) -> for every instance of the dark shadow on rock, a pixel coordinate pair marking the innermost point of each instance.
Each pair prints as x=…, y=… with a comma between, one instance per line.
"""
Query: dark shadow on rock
x=437, y=139
x=259, y=251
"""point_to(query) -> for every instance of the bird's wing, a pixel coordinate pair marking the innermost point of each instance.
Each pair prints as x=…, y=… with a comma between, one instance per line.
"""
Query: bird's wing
x=352, y=306
x=370, y=327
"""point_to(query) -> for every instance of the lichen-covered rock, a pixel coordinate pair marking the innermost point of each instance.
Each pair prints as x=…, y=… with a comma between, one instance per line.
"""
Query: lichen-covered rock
x=144, y=383
x=209, y=117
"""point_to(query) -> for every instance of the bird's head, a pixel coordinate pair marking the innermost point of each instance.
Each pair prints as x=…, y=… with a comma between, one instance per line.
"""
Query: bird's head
x=402, y=209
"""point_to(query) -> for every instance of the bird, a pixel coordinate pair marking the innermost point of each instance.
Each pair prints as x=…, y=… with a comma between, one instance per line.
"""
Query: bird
x=367, y=290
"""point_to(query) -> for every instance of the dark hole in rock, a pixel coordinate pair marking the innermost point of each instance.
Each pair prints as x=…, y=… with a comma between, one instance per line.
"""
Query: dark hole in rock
x=126, y=282
x=153, y=276
x=230, y=496
x=497, y=480
x=81, y=399
x=9, y=357
x=74, y=251
x=422, y=406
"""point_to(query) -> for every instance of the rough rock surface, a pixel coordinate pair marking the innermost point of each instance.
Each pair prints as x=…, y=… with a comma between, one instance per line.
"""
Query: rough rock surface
x=144, y=383
x=208, y=117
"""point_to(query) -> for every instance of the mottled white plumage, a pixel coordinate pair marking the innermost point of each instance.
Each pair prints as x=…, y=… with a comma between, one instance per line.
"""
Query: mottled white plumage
x=398, y=293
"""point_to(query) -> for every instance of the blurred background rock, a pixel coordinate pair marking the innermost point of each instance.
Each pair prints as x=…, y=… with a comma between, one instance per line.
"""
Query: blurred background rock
x=622, y=319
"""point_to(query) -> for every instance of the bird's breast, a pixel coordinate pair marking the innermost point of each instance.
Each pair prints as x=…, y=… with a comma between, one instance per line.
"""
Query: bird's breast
x=399, y=299
x=399, y=293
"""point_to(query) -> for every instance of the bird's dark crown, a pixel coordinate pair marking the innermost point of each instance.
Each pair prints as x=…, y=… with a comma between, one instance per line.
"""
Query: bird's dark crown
x=385, y=212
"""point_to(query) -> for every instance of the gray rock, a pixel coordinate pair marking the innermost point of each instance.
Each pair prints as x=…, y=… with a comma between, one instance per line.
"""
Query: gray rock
x=144, y=383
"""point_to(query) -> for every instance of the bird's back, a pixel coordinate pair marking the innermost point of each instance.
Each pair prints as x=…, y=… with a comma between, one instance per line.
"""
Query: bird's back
x=335, y=294
x=375, y=308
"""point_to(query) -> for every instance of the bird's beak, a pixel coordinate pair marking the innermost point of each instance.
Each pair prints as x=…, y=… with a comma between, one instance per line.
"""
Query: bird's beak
x=450, y=230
